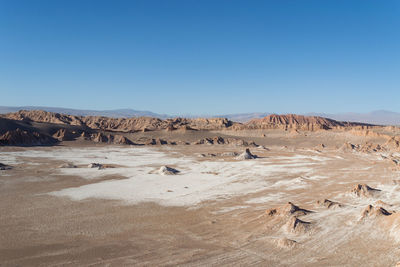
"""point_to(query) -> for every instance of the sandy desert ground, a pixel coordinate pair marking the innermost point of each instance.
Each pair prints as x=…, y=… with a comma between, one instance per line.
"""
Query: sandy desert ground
x=297, y=204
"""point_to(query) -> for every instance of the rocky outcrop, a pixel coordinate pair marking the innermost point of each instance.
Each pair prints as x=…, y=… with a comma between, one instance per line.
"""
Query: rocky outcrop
x=223, y=154
x=383, y=204
x=25, y=138
x=395, y=163
x=329, y=204
x=320, y=147
x=370, y=148
x=347, y=147
x=296, y=226
x=101, y=138
x=170, y=128
x=122, y=140
x=363, y=190
x=155, y=141
x=365, y=148
x=286, y=219
x=288, y=209
x=393, y=143
x=96, y=166
x=218, y=140
x=374, y=212
x=4, y=167
x=365, y=133
x=246, y=155
x=64, y=135
x=107, y=138
x=165, y=170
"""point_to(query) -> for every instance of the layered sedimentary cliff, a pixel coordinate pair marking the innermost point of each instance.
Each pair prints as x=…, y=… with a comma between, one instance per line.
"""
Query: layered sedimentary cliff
x=122, y=124
x=299, y=122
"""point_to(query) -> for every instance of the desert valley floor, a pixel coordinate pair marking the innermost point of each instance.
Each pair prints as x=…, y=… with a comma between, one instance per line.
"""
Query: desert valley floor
x=296, y=204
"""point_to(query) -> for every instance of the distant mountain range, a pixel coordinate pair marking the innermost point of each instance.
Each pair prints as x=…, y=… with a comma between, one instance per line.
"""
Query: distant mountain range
x=381, y=117
x=244, y=117
x=116, y=113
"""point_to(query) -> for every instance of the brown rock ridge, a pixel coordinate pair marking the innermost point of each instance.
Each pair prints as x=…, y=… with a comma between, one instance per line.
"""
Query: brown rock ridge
x=26, y=138
x=122, y=124
x=286, y=122
x=300, y=122
x=44, y=116
x=106, y=138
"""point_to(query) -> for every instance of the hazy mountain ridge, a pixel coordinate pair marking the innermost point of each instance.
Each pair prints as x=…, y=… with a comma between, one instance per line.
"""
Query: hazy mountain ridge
x=382, y=117
x=244, y=117
x=379, y=117
x=116, y=113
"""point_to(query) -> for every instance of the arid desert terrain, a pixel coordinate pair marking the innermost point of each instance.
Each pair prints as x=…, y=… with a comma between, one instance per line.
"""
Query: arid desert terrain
x=96, y=191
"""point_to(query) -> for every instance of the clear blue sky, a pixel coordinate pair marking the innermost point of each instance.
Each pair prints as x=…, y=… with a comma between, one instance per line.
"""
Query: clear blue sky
x=201, y=57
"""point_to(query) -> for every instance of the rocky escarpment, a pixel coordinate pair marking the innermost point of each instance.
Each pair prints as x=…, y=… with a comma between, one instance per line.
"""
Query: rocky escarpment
x=44, y=116
x=299, y=122
x=123, y=124
x=20, y=133
x=49, y=127
x=27, y=138
x=107, y=138
x=134, y=124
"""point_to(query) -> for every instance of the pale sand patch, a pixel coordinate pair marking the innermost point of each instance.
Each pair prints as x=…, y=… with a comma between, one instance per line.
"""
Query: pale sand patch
x=276, y=197
x=228, y=209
